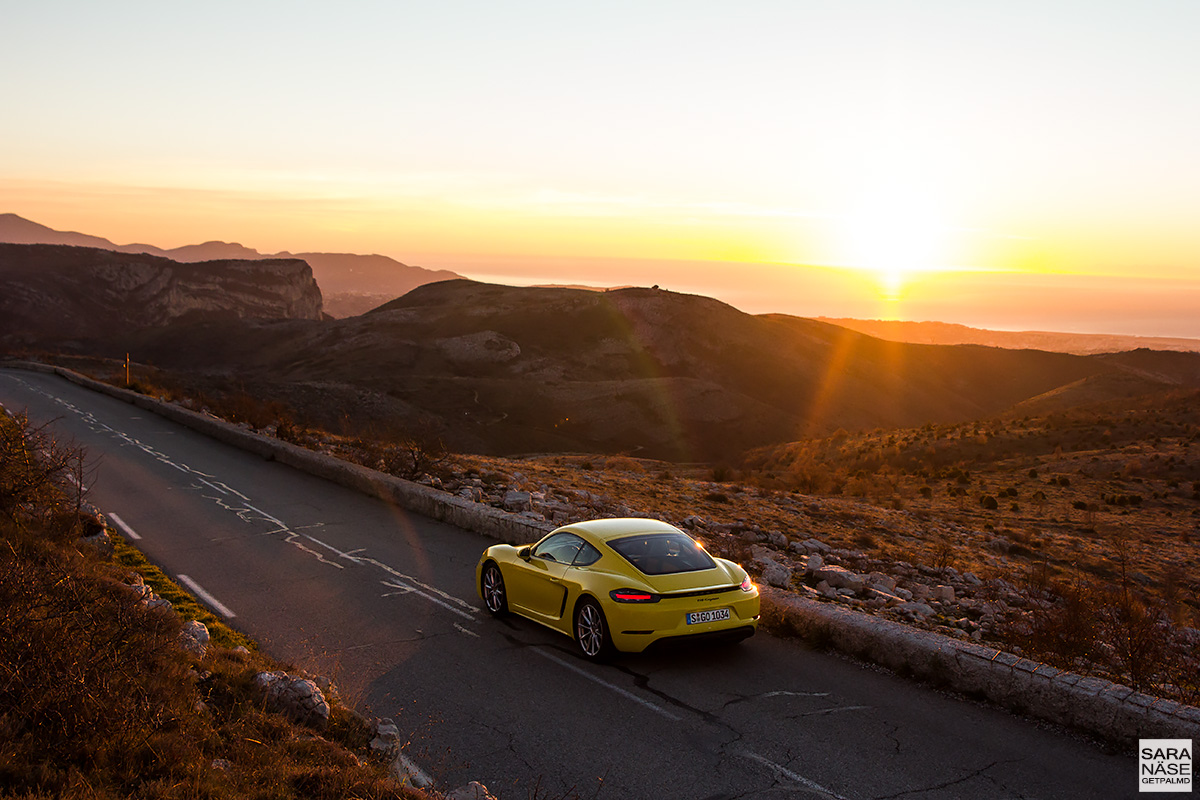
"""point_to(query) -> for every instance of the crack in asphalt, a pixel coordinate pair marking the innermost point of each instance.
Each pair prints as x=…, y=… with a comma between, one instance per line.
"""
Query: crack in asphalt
x=894, y=735
x=822, y=712
x=947, y=784
x=743, y=698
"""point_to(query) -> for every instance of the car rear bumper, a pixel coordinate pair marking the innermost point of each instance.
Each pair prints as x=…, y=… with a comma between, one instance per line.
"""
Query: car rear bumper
x=636, y=627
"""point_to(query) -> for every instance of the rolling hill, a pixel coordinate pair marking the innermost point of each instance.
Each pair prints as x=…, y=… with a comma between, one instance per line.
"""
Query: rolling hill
x=497, y=369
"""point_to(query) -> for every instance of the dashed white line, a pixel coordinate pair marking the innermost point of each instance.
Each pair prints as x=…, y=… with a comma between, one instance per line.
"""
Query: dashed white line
x=213, y=602
x=623, y=692
x=125, y=529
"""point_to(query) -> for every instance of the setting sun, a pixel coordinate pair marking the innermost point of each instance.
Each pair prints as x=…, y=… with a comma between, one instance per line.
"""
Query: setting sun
x=894, y=232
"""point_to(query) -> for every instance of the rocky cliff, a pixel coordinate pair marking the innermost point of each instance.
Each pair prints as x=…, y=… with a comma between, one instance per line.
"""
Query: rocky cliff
x=58, y=292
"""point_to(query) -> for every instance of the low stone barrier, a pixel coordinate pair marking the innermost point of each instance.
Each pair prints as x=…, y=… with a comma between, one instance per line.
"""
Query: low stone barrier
x=426, y=501
x=1100, y=707
x=1097, y=706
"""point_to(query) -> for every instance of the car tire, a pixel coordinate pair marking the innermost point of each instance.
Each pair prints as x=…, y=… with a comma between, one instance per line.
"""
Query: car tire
x=491, y=585
x=591, y=631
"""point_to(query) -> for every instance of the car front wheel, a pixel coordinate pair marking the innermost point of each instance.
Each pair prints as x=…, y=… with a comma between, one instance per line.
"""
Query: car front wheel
x=494, y=596
x=591, y=631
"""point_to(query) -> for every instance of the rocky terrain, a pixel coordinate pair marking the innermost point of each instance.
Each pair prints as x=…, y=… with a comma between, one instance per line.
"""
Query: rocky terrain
x=57, y=293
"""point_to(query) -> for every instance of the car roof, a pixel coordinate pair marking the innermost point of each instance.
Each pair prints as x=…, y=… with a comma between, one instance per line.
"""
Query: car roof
x=605, y=529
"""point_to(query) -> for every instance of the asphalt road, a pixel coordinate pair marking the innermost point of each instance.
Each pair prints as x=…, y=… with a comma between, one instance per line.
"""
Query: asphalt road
x=383, y=601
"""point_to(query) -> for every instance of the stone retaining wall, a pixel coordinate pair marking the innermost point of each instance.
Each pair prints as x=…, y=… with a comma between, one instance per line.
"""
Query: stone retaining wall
x=1100, y=707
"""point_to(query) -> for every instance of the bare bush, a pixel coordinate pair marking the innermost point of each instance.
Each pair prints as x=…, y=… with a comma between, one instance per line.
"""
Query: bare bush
x=40, y=477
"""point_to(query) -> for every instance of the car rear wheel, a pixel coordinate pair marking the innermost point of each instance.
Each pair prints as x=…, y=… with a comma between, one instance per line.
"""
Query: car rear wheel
x=494, y=595
x=591, y=631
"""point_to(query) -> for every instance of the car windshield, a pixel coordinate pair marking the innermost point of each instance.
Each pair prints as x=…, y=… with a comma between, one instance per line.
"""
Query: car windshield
x=663, y=553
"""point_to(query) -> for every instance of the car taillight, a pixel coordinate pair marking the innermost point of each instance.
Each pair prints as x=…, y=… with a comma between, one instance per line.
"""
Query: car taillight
x=747, y=585
x=632, y=596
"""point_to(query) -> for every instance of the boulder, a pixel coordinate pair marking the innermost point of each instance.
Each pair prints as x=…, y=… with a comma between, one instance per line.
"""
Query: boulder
x=840, y=577
x=879, y=580
x=193, y=638
x=817, y=546
x=298, y=698
x=517, y=501
x=387, y=739
x=944, y=594
x=915, y=609
x=814, y=563
x=778, y=575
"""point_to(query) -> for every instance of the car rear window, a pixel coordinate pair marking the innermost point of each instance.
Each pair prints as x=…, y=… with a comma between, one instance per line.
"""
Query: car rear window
x=663, y=553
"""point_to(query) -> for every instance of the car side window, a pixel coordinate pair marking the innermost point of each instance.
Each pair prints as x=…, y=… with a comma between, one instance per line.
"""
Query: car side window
x=587, y=555
x=561, y=547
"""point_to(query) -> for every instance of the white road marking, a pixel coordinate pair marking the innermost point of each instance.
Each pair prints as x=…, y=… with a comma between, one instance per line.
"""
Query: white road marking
x=623, y=692
x=220, y=489
x=198, y=590
x=429, y=597
x=461, y=629
x=250, y=513
x=811, y=785
x=125, y=529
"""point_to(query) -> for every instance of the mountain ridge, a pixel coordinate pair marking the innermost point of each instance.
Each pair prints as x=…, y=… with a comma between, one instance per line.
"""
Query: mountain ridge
x=351, y=283
x=55, y=293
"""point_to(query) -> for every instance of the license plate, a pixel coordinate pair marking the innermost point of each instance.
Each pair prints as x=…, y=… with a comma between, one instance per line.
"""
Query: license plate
x=715, y=615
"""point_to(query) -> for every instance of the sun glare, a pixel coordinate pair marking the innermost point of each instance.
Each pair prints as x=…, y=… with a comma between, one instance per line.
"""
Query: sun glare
x=894, y=233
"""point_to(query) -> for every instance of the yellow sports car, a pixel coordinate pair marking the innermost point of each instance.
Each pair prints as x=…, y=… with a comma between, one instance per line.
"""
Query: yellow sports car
x=619, y=584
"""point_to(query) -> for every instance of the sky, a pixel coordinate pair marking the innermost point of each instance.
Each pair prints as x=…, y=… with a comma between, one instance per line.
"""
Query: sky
x=1002, y=164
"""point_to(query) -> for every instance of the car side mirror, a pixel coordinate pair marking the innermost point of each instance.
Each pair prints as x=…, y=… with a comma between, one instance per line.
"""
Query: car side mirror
x=524, y=553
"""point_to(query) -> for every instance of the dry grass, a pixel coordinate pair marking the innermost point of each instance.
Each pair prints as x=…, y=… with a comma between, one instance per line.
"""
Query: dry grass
x=97, y=700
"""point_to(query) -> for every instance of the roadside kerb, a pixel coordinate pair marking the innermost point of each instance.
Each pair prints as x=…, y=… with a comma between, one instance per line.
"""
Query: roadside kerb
x=1097, y=706
x=424, y=500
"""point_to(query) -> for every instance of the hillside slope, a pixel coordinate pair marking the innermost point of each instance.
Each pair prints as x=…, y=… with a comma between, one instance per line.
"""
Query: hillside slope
x=516, y=370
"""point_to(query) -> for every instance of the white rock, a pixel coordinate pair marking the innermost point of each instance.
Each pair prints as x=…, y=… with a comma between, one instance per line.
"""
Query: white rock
x=778, y=575
x=881, y=581
x=916, y=609
x=840, y=577
x=194, y=638
x=516, y=501
x=299, y=698
x=817, y=546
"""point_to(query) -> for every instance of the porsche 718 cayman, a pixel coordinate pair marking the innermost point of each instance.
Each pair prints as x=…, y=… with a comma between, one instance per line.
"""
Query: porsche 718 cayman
x=619, y=584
